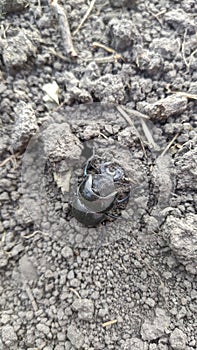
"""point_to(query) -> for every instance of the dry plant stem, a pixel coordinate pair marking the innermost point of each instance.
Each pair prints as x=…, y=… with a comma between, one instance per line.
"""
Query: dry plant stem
x=102, y=46
x=156, y=15
x=108, y=59
x=135, y=113
x=103, y=135
x=170, y=144
x=185, y=94
x=59, y=55
x=129, y=121
x=115, y=54
x=12, y=158
x=148, y=134
x=2, y=244
x=183, y=49
x=30, y=296
x=187, y=62
x=39, y=3
x=64, y=27
x=75, y=292
x=191, y=56
x=101, y=7
x=85, y=17
x=181, y=93
x=109, y=323
x=34, y=233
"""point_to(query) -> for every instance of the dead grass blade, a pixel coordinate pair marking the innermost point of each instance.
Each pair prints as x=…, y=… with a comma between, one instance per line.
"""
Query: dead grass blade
x=109, y=323
x=85, y=17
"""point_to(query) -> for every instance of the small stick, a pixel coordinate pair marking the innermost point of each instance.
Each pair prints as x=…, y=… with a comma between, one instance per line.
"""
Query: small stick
x=129, y=121
x=108, y=49
x=102, y=46
x=109, y=323
x=190, y=57
x=109, y=59
x=39, y=4
x=64, y=27
x=101, y=7
x=59, y=55
x=11, y=158
x=85, y=17
x=30, y=296
x=156, y=15
x=148, y=134
x=135, y=113
x=34, y=233
x=3, y=238
x=103, y=135
x=170, y=144
x=75, y=292
x=183, y=49
x=181, y=93
x=185, y=94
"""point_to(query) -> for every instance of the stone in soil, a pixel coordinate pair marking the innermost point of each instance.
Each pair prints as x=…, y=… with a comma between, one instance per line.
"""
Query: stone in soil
x=182, y=236
x=17, y=49
x=163, y=109
x=25, y=125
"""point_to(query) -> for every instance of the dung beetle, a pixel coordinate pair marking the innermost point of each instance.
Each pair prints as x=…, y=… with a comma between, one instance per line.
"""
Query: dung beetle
x=98, y=192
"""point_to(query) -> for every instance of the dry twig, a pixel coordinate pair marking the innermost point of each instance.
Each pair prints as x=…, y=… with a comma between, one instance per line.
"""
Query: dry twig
x=75, y=292
x=191, y=56
x=114, y=53
x=11, y=158
x=185, y=94
x=170, y=144
x=64, y=27
x=156, y=15
x=109, y=323
x=59, y=55
x=187, y=62
x=135, y=113
x=34, y=233
x=114, y=57
x=3, y=243
x=101, y=7
x=103, y=135
x=129, y=121
x=108, y=59
x=30, y=296
x=85, y=17
x=182, y=93
x=148, y=135
x=183, y=49
x=104, y=47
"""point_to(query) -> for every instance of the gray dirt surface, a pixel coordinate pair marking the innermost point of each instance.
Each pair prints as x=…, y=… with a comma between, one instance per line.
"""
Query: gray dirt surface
x=129, y=283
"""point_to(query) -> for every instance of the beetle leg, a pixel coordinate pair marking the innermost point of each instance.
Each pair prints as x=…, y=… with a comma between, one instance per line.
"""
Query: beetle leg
x=103, y=166
x=120, y=201
x=113, y=216
x=117, y=173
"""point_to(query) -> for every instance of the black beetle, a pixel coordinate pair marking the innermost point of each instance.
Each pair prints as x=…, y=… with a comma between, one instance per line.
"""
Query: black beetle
x=98, y=193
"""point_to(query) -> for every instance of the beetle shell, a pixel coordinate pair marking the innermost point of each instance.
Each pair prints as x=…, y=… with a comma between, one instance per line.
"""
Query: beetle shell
x=85, y=216
x=96, y=194
x=95, y=202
